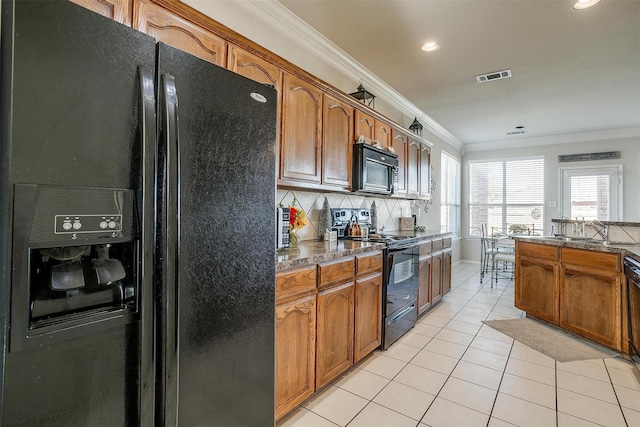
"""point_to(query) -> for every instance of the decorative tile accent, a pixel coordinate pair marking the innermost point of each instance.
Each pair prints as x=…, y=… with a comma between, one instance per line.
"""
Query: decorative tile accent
x=389, y=209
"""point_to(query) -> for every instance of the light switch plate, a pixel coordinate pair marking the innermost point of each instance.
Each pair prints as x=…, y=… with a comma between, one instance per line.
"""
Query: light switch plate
x=553, y=204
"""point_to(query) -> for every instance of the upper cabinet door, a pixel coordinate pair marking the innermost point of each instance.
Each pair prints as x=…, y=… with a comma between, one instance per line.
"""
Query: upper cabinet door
x=252, y=67
x=118, y=10
x=425, y=171
x=301, y=131
x=383, y=134
x=413, y=167
x=364, y=126
x=337, y=143
x=399, y=144
x=175, y=31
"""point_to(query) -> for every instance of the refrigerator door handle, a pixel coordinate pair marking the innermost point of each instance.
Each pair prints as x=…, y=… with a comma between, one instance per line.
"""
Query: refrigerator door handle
x=147, y=125
x=172, y=243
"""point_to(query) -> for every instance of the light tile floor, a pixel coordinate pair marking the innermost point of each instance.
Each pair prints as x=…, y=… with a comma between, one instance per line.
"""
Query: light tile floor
x=451, y=370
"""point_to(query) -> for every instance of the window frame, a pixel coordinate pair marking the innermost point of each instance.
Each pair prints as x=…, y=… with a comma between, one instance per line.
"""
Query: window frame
x=504, y=205
x=445, y=227
x=593, y=169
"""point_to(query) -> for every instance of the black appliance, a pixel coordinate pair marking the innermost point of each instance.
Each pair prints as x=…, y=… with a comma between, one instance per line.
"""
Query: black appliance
x=136, y=287
x=374, y=170
x=343, y=220
x=632, y=271
x=400, y=286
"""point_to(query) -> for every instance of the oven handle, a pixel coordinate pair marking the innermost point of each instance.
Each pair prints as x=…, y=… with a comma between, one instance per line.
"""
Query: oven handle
x=402, y=313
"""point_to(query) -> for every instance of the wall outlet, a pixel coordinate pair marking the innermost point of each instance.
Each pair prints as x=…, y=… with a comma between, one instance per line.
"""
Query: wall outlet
x=553, y=204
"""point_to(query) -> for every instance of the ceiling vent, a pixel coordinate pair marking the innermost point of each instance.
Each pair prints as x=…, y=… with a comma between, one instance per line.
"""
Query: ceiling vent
x=498, y=75
x=517, y=132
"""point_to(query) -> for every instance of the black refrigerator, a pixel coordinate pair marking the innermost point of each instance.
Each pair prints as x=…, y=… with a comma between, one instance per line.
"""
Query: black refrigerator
x=137, y=191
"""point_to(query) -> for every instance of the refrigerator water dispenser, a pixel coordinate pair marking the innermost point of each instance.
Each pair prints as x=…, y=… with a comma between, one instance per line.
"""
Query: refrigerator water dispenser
x=75, y=263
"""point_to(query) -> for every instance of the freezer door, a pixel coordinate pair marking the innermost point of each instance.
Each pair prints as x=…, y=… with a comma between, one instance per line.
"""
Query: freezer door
x=217, y=198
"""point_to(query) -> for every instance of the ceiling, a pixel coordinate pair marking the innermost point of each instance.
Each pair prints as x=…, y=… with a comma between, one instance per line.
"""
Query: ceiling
x=573, y=71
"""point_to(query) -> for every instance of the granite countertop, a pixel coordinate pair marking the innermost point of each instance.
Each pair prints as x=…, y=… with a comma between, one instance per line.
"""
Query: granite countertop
x=316, y=251
x=590, y=244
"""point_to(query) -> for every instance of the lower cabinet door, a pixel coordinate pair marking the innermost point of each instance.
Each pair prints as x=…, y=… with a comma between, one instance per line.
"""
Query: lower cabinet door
x=590, y=305
x=368, y=315
x=295, y=353
x=334, y=345
x=536, y=288
x=424, y=284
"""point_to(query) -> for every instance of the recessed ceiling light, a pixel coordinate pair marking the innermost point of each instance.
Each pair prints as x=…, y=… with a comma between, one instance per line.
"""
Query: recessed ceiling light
x=430, y=47
x=585, y=4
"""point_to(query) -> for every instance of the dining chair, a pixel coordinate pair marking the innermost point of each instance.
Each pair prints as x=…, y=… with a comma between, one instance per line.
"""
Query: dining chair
x=487, y=251
x=504, y=253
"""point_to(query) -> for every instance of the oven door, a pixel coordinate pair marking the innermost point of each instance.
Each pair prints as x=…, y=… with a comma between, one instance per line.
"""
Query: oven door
x=401, y=293
x=632, y=271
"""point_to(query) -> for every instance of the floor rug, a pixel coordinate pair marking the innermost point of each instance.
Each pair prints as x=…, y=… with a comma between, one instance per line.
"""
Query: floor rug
x=555, y=343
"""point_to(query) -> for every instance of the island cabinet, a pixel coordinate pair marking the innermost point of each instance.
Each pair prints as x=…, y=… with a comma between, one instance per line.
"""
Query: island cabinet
x=118, y=10
x=301, y=137
x=169, y=28
x=400, y=143
x=337, y=143
x=579, y=290
x=591, y=295
x=295, y=337
x=368, y=309
x=537, y=280
x=425, y=171
x=335, y=325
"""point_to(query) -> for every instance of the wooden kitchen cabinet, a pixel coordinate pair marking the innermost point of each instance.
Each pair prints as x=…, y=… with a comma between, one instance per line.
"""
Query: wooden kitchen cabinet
x=175, y=31
x=590, y=295
x=252, y=67
x=368, y=300
x=364, y=126
x=446, y=272
x=335, y=332
x=118, y=10
x=537, y=285
x=368, y=315
x=425, y=267
x=413, y=167
x=577, y=289
x=337, y=143
x=382, y=134
x=425, y=171
x=295, y=353
x=300, y=154
x=400, y=143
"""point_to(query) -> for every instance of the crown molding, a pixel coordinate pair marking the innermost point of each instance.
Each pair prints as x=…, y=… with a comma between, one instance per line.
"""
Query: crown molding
x=284, y=21
x=601, y=135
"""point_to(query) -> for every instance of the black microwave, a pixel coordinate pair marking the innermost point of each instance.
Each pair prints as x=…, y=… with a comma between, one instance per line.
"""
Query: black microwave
x=374, y=170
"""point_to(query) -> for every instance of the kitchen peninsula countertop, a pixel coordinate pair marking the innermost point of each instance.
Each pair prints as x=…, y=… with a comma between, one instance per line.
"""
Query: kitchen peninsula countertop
x=317, y=251
x=629, y=250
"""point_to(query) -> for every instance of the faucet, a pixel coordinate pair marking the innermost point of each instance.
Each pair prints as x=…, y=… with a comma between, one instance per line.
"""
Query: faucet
x=600, y=229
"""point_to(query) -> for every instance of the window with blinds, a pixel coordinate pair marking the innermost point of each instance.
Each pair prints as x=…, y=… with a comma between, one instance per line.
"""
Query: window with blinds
x=450, y=194
x=592, y=192
x=506, y=195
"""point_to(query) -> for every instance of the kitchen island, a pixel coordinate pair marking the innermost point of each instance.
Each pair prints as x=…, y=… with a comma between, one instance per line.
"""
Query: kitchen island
x=575, y=284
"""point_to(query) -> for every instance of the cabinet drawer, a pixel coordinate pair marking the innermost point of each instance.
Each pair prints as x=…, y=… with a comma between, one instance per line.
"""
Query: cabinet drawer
x=535, y=250
x=436, y=244
x=592, y=259
x=334, y=272
x=425, y=248
x=368, y=263
x=297, y=281
x=446, y=242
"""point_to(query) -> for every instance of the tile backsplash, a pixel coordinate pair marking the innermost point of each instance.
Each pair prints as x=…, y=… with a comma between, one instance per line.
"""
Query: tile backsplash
x=389, y=209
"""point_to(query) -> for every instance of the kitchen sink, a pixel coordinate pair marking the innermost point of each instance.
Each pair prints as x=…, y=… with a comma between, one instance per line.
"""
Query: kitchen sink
x=570, y=238
x=610, y=243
